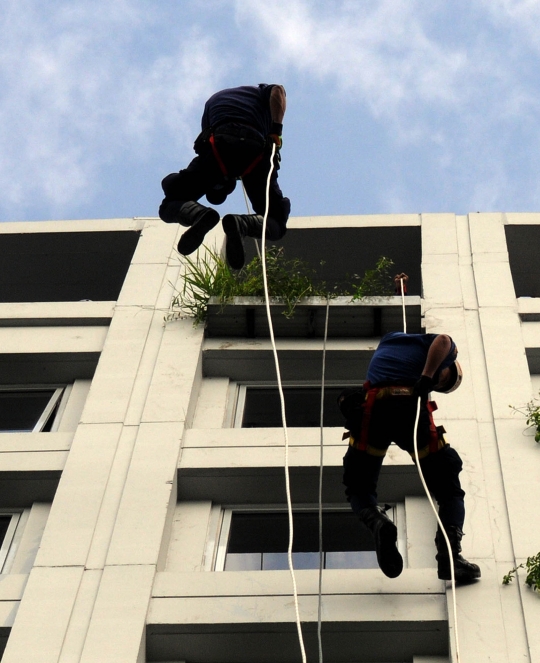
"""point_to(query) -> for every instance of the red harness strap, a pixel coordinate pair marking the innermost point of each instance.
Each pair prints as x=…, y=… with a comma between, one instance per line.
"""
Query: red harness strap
x=222, y=166
x=216, y=154
x=433, y=432
x=371, y=397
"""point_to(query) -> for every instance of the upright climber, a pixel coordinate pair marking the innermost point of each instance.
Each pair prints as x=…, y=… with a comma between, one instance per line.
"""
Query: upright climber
x=406, y=367
x=239, y=127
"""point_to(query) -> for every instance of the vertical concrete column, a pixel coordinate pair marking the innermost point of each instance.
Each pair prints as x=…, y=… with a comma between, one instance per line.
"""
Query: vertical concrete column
x=509, y=383
x=449, y=296
x=69, y=585
x=162, y=400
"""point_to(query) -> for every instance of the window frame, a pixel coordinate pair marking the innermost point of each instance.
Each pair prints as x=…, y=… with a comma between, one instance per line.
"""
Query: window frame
x=220, y=527
x=236, y=400
x=10, y=535
x=57, y=401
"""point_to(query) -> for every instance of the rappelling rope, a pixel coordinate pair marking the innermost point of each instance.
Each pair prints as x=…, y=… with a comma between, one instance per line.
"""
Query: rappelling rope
x=452, y=573
x=403, y=306
x=283, y=416
x=441, y=526
x=321, y=467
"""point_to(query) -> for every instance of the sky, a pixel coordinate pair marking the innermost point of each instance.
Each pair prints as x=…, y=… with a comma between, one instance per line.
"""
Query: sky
x=400, y=106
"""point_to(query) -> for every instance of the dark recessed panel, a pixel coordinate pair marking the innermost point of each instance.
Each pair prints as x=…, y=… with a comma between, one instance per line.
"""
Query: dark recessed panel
x=523, y=243
x=339, y=253
x=65, y=267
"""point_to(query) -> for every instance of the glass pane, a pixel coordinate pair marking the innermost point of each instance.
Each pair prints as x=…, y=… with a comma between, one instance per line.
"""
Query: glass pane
x=4, y=524
x=302, y=407
x=346, y=542
x=275, y=561
x=21, y=410
x=258, y=532
x=278, y=561
x=243, y=562
x=363, y=559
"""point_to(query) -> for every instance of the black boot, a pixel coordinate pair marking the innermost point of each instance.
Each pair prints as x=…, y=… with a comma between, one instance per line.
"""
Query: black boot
x=464, y=571
x=201, y=220
x=385, y=534
x=236, y=227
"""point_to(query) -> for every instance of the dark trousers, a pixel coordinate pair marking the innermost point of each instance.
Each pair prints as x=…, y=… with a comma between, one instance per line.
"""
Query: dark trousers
x=392, y=420
x=204, y=177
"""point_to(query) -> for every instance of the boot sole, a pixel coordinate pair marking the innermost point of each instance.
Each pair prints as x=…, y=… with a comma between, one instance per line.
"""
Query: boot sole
x=388, y=556
x=194, y=236
x=462, y=578
x=234, y=249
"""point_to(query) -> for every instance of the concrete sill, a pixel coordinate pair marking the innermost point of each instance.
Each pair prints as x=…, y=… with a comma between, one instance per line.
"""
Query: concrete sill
x=529, y=309
x=56, y=314
x=371, y=317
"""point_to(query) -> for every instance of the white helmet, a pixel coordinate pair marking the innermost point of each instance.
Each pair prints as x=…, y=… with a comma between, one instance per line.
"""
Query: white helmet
x=456, y=376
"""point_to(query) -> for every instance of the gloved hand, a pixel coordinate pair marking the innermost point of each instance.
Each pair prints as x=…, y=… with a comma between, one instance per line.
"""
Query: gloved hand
x=274, y=138
x=422, y=388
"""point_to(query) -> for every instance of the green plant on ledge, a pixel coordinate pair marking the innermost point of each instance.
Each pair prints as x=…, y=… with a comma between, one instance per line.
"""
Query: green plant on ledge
x=289, y=280
x=533, y=573
x=375, y=282
x=532, y=411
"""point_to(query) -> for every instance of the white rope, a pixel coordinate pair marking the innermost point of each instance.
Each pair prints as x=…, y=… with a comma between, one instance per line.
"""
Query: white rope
x=452, y=573
x=283, y=416
x=403, y=306
x=321, y=466
x=441, y=526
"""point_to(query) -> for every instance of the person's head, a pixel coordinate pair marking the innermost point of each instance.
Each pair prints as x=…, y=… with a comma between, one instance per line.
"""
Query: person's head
x=449, y=379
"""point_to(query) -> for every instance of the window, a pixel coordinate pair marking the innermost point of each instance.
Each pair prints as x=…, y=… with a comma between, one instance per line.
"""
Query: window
x=8, y=525
x=29, y=410
x=259, y=406
x=257, y=540
x=65, y=266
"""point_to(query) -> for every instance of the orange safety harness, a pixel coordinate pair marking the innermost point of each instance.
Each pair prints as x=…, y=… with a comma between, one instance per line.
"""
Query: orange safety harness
x=222, y=166
x=436, y=440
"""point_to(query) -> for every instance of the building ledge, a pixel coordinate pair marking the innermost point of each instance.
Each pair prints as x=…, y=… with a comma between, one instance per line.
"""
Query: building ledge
x=248, y=616
x=56, y=314
x=529, y=309
x=370, y=317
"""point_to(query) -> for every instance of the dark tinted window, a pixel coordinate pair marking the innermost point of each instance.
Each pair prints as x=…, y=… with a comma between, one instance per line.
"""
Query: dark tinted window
x=20, y=410
x=259, y=541
x=302, y=407
x=64, y=267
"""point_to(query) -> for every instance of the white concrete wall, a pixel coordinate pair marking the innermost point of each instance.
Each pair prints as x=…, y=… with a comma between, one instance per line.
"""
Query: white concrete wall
x=115, y=551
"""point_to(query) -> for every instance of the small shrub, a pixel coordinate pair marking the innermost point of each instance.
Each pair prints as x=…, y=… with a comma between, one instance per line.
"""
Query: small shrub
x=289, y=281
x=532, y=412
x=375, y=282
x=533, y=573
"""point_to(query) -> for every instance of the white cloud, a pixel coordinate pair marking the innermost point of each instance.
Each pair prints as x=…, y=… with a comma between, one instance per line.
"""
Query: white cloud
x=380, y=52
x=76, y=92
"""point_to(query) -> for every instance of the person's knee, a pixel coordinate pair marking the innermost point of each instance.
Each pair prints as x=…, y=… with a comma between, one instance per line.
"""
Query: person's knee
x=166, y=212
x=169, y=209
x=280, y=211
x=170, y=183
x=441, y=470
x=274, y=230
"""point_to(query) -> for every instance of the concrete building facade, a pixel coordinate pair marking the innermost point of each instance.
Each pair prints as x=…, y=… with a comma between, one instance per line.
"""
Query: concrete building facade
x=139, y=458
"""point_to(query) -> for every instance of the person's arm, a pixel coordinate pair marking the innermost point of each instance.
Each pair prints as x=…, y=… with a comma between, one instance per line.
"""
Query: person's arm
x=437, y=353
x=278, y=104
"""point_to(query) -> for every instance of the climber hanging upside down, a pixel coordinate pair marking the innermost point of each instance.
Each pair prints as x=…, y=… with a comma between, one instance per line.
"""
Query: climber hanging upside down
x=239, y=127
x=403, y=368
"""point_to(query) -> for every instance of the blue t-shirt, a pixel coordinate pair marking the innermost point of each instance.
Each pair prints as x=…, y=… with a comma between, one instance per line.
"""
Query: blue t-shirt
x=248, y=104
x=400, y=358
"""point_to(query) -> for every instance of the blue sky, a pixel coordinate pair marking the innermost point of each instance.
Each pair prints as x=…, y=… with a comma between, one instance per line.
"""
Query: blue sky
x=393, y=105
